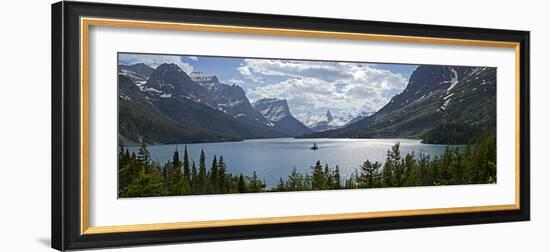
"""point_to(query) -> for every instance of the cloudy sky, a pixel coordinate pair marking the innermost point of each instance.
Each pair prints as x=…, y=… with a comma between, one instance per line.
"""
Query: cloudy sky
x=308, y=86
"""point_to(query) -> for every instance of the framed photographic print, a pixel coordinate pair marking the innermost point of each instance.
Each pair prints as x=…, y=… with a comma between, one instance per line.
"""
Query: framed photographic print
x=180, y=125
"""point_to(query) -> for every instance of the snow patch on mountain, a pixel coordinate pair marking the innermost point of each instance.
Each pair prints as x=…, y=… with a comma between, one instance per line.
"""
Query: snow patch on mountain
x=278, y=115
x=201, y=77
x=454, y=80
x=273, y=109
x=325, y=121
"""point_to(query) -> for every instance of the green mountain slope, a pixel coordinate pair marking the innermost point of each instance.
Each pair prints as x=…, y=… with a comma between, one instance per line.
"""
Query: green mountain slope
x=435, y=95
x=137, y=117
x=168, y=107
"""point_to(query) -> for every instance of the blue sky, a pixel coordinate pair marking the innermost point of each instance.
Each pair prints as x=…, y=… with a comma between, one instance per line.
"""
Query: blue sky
x=308, y=86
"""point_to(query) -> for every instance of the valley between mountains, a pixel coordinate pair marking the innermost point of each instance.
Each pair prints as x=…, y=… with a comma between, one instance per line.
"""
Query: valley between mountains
x=165, y=105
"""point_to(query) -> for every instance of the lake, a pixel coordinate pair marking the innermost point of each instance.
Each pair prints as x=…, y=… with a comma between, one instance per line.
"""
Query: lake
x=275, y=158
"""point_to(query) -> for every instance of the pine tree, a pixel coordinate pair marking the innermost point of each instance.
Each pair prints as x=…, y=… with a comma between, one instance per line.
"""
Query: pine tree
x=214, y=176
x=387, y=172
x=176, y=159
x=446, y=166
x=178, y=185
x=144, y=157
x=352, y=181
x=329, y=179
x=127, y=155
x=319, y=180
x=488, y=149
x=305, y=182
x=120, y=154
x=281, y=185
x=194, y=179
x=368, y=174
x=185, y=187
x=241, y=184
x=295, y=180
x=337, y=178
x=142, y=186
x=398, y=166
x=254, y=184
x=202, y=180
x=222, y=176
x=459, y=169
x=125, y=169
x=423, y=164
x=165, y=178
x=123, y=157
x=434, y=170
x=186, y=168
x=410, y=176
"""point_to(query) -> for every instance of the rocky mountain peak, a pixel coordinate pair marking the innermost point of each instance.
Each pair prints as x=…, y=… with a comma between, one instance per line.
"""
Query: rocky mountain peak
x=325, y=121
x=169, y=80
x=169, y=73
x=203, y=78
x=138, y=73
x=273, y=109
x=278, y=113
x=329, y=116
x=434, y=95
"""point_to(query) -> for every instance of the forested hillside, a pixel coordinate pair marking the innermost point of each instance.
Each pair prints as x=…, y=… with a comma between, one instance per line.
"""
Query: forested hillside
x=434, y=97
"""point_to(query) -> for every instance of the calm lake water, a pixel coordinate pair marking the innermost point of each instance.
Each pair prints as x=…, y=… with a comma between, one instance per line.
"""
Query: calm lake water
x=275, y=158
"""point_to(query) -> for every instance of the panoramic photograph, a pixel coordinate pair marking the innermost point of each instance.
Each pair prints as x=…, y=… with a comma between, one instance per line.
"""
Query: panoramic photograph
x=197, y=125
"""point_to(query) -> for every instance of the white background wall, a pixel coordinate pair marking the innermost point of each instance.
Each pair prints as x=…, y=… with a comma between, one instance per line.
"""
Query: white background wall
x=25, y=125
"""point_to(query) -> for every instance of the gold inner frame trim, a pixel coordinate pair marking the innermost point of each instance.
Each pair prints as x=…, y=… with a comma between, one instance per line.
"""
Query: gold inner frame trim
x=290, y=219
x=86, y=23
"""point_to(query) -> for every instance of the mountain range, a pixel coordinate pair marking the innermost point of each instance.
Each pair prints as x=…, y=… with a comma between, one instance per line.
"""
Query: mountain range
x=326, y=121
x=166, y=105
x=435, y=95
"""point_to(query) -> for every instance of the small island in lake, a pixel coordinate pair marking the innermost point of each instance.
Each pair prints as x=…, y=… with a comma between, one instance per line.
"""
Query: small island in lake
x=191, y=125
x=314, y=147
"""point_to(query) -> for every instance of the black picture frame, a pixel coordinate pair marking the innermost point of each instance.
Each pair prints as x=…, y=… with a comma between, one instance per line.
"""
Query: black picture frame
x=66, y=141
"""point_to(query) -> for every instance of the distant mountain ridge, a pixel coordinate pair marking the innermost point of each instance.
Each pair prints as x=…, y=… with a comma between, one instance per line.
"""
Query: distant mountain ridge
x=231, y=99
x=326, y=121
x=165, y=105
x=138, y=113
x=434, y=95
x=169, y=80
x=138, y=73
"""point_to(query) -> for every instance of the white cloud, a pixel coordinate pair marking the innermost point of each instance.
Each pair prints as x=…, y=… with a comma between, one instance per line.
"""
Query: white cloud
x=154, y=60
x=235, y=81
x=246, y=73
x=318, y=86
x=193, y=58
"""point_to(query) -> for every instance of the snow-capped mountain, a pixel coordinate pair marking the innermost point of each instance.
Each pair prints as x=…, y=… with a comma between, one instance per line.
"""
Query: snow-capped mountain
x=325, y=121
x=435, y=95
x=273, y=109
x=169, y=80
x=231, y=99
x=170, y=107
x=278, y=113
x=138, y=73
x=204, y=79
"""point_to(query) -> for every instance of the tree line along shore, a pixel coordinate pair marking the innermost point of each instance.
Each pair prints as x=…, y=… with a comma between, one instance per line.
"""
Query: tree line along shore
x=139, y=176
